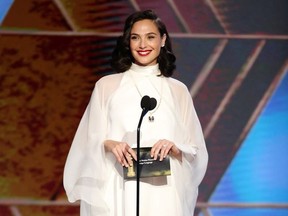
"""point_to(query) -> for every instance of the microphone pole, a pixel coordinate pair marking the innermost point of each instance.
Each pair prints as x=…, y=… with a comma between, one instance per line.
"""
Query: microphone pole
x=147, y=104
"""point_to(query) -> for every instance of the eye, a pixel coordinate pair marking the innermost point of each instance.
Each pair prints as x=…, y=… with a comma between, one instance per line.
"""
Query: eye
x=150, y=37
x=133, y=37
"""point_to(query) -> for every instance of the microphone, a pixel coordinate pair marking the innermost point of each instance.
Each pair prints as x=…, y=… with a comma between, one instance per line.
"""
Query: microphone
x=147, y=104
x=153, y=103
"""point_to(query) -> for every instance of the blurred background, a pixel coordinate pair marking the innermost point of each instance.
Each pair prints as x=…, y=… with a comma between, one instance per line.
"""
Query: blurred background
x=231, y=54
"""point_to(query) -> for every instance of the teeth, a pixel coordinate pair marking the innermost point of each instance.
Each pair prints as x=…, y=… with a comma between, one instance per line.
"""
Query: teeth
x=143, y=52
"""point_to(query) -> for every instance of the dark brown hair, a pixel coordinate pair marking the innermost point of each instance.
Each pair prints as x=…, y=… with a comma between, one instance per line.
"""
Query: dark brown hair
x=122, y=58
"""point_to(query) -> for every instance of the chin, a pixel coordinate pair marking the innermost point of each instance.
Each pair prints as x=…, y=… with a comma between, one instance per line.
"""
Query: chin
x=142, y=63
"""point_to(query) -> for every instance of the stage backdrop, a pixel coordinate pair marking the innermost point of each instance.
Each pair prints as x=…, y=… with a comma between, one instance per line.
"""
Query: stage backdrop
x=232, y=55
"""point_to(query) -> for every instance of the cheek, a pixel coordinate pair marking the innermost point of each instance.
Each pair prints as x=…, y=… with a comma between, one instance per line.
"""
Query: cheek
x=157, y=48
x=133, y=45
x=133, y=52
x=156, y=45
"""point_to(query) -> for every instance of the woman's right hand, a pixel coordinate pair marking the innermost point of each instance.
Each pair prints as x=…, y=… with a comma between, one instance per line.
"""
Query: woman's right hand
x=122, y=152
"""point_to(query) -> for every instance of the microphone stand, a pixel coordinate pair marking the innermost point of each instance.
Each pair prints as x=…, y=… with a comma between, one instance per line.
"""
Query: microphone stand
x=147, y=104
x=144, y=111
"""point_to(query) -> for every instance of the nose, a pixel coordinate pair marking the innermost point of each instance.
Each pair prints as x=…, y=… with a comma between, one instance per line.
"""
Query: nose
x=142, y=44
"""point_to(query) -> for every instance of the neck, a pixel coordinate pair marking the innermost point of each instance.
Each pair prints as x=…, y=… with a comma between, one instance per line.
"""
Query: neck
x=147, y=70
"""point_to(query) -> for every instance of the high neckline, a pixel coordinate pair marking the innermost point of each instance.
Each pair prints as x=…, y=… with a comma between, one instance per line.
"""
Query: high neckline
x=145, y=70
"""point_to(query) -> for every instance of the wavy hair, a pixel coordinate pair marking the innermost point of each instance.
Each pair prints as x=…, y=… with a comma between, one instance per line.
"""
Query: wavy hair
x=121, y=56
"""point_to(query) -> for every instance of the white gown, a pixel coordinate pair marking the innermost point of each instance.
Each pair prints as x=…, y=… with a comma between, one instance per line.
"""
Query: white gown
x=96, y=178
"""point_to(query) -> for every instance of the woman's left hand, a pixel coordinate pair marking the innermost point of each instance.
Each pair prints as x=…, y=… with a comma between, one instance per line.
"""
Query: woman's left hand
x=164, y=147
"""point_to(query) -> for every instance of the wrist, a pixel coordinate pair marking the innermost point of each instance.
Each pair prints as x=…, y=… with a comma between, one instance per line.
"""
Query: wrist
x=176, y=153
x=109, y=145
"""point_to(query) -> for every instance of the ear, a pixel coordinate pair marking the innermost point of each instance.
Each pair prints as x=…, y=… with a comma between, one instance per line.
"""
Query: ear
x=163, y=40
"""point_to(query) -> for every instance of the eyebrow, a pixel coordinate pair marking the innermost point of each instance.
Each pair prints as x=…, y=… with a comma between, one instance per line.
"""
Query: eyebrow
x=145, y=34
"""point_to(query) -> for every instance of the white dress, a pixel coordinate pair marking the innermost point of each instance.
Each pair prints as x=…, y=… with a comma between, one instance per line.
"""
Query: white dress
x=96, y=178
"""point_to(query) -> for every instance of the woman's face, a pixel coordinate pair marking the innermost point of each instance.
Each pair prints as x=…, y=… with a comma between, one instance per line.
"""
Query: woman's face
x=146, y=42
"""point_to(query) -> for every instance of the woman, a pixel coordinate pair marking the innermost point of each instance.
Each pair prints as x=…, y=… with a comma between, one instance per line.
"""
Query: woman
x=107, y=133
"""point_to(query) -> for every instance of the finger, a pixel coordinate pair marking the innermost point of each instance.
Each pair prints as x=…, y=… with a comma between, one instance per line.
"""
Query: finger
x=133, y=154
x=152, y=152
x=123, y=160
x=118, y=156
x=167, y=149
x=130, y=155
x=125, y=156
x=155, y=149
x=157, y=152
x=129, y=159
x=163, y=152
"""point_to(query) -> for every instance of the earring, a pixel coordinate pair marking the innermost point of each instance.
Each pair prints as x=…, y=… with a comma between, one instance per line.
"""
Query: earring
x=163, y=45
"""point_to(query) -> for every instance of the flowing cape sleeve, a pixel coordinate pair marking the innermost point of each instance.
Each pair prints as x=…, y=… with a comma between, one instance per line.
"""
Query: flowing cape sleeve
x=190, y=140
x=85, y=172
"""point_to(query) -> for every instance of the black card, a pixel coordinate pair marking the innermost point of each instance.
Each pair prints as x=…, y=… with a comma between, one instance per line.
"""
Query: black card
x=148, y=166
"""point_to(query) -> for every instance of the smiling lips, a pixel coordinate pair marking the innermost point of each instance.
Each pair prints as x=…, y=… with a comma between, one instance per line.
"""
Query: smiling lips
x=144, y=52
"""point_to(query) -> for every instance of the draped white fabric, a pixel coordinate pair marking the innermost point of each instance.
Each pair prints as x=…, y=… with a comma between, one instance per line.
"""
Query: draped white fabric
x=94, y=177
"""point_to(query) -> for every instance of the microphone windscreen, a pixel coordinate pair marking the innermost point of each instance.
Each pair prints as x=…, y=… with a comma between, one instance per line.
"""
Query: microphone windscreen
x=153, y=103
x=145, y=102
